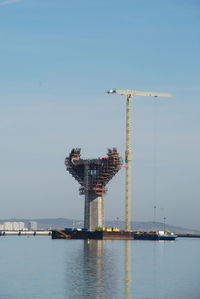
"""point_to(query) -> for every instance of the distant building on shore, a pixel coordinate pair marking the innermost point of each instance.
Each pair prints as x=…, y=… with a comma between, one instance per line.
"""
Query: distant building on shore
x=15, y=226
x=32, y=225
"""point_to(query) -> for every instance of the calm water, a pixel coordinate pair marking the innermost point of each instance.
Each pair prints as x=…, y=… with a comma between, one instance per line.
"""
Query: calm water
x=38, y=267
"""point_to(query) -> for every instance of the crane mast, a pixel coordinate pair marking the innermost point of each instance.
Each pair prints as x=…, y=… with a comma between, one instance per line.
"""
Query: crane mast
x=128, y=153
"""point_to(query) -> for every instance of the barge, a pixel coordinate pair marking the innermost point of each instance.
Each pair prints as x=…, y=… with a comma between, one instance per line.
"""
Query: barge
x=111, y=234
x=93, y=235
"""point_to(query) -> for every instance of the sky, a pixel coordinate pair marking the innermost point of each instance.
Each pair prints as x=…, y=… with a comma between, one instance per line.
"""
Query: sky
x=57, y=59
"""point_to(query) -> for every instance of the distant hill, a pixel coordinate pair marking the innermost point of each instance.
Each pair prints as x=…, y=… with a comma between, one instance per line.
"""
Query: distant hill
x=53, y=223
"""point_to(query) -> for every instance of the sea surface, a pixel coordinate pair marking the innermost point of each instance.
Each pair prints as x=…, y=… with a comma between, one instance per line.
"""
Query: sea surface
x=39, y=267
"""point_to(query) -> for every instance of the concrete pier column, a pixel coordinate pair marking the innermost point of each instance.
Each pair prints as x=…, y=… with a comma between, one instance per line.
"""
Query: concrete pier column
x=94, y=211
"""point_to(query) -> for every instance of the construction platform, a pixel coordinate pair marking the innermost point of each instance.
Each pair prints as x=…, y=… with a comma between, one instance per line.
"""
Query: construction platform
x=94, y=235
x=113, y=234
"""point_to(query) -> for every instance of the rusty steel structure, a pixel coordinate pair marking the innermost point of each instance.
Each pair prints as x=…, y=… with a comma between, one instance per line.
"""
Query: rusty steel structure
x=93, y=175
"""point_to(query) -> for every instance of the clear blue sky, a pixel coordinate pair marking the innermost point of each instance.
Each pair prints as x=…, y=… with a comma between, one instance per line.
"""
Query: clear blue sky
x=57, y=59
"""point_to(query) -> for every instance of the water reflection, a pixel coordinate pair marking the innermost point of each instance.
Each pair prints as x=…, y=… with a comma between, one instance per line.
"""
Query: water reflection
x=94, y=268
x=100, y=269
x=127, y=270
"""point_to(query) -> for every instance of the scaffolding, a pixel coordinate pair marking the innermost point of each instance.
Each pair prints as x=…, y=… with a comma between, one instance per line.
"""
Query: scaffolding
x=99, y=171
x=93, y=175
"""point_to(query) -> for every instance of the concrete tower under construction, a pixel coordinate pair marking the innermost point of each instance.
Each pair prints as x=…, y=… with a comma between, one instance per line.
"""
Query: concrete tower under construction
x=93, y=175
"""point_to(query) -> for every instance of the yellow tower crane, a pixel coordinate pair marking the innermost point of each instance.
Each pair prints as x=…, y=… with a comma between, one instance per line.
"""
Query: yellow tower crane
x=128, y=154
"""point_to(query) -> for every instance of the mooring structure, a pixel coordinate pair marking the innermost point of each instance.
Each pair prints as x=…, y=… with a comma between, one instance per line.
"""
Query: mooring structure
x=93, y=175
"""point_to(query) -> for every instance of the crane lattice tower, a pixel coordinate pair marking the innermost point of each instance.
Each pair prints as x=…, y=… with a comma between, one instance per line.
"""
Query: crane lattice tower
x=128, y=190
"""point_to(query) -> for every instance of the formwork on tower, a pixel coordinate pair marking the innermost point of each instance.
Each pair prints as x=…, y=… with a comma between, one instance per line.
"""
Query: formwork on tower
x=93, y=175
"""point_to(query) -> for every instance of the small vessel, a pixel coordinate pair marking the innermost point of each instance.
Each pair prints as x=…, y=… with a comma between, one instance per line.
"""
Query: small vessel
x=155, y=235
